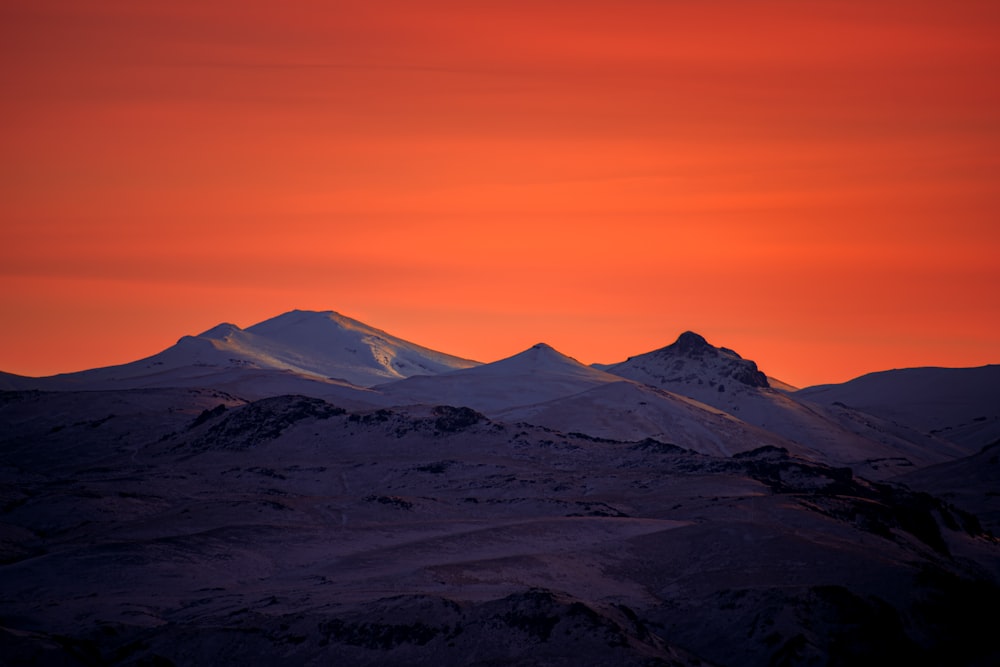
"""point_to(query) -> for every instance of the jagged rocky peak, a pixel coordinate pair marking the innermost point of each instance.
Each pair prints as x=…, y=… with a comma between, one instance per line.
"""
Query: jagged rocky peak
x=691, y=344
x=691, y=359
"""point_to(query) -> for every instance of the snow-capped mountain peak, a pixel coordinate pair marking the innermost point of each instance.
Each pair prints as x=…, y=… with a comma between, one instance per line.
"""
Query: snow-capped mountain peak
x=540, y=357
x=328, y=344
x=300, y=322
x=218, y=331
x=692, y=360
x=315, y=347
x=539, y=373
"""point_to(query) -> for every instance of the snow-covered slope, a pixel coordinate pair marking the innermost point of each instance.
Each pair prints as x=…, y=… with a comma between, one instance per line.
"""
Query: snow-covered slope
x=330, y=344
x=538, y=374
x=723, y=379
x=959, y=404
x=628, y=410
x=314, y=353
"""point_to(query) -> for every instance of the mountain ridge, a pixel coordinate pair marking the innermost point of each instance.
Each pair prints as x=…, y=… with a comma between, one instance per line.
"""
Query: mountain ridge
x=328, y=355
x=687, y=339
x=316, y=347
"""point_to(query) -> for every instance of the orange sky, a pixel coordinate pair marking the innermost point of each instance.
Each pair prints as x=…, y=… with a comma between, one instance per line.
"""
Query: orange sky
x=813, y=184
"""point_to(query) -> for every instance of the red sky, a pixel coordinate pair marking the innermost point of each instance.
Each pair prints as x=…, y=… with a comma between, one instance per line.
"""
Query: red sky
x=813, y=184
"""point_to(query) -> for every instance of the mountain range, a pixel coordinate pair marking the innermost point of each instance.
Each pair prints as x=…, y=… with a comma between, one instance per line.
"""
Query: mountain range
x=707, y=398
x=324, y=490
x=305, y=351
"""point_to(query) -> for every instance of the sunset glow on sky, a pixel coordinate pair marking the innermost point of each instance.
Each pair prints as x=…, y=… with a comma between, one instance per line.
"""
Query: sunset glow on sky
x=813, y=184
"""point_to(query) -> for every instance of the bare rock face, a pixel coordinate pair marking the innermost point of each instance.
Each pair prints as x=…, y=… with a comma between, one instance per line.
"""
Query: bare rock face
x=258, y=422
